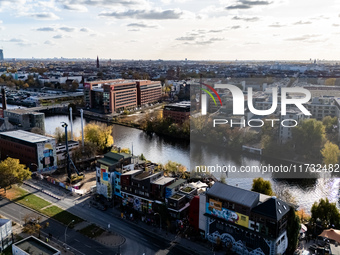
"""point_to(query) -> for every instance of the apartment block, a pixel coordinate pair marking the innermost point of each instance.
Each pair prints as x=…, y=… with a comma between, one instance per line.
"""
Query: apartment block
x=321, y=107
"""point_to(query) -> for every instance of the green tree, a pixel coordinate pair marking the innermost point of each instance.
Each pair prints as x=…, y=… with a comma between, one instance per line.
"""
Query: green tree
x=308, y=137
x=262, y=186
x=330, y=153
x=293, y=230
x=11, y=172
x=327, y=212
x=142, y=157
x=329, y=122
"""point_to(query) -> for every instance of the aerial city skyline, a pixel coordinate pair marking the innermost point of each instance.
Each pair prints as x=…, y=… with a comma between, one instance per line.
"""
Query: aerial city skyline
x=170, y=29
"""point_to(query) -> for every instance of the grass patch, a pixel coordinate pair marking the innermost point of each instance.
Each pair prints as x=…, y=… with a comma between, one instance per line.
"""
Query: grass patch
x=21, y=196
x=61, y=215
x=92, y=231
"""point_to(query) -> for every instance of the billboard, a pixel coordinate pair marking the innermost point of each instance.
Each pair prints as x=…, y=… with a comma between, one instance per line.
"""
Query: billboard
x=47, y=156
x=215, y=208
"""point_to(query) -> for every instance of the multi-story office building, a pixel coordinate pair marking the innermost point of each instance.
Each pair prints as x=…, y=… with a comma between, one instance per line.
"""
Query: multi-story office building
x=36, y=151
x=178, y=112
x=115, y=95
x=111, y=95
x=1, y=55
x=249, y=222
x=119, y=95
x=148, y=91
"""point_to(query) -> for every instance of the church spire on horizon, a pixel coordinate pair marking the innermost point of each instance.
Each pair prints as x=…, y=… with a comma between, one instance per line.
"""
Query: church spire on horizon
x=97, y=62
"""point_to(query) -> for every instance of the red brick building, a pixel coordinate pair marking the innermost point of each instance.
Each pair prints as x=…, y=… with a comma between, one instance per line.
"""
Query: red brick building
x=178, y=112
x=148, y=91
x=115, y=95
x=35, y=151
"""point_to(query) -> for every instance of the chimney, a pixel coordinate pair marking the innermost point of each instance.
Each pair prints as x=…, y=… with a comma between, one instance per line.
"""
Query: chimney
x=3, y=94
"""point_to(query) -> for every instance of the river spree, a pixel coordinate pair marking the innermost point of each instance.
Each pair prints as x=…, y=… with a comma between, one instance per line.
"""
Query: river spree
x=160, y=150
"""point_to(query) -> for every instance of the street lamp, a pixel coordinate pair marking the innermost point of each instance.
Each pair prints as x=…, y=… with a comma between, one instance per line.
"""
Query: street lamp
x=66, y=229
x=160, y=221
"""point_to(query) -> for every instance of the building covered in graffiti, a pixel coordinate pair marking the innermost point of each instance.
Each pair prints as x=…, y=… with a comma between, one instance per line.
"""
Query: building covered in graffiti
x=246, y=221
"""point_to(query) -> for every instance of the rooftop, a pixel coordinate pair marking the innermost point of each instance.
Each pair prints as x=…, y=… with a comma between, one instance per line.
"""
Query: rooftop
x=3, y=221
x=183, y=104
x=176, y=183
x=144, y=175
x=26, y=136
x=34, y=246
x=234, y=194
x=163, y=180
x=273, y=208
x=112, y=158
x=132, y=172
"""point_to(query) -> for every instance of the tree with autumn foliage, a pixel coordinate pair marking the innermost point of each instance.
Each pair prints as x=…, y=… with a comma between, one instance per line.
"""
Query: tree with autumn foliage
x=99, y=134
x=12, y=172
x=172, y=168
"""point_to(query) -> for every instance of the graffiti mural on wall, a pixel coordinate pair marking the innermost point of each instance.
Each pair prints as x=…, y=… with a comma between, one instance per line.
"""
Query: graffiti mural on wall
x=47, y=156
x=236, y=246
x=216, y=209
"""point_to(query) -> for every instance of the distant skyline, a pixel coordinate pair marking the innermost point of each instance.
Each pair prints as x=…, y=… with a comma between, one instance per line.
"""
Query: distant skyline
x=171, y=29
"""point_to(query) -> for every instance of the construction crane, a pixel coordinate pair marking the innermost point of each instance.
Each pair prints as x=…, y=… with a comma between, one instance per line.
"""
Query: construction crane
x=72, y=178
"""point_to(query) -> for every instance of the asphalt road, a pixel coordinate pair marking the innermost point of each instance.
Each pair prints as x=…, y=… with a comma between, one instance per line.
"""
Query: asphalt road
x=138, y=241
x=81, y=243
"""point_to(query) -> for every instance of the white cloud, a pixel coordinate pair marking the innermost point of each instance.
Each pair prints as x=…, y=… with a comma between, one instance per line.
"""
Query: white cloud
x=144, y=14
x=48, y=42
x=42, y=16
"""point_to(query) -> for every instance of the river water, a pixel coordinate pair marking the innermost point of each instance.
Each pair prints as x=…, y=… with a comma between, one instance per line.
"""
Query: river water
x=160, y=150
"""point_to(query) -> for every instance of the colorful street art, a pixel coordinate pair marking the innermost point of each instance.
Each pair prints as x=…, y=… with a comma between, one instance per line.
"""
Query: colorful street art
x=227, y=215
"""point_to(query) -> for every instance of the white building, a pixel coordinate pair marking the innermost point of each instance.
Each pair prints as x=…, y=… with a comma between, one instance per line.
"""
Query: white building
x=321, y=107
x=31, y=246
x=285, y=132
x=5, y=234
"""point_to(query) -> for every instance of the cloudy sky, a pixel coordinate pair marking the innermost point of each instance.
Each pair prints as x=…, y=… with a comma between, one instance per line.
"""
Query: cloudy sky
x=171, y=29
